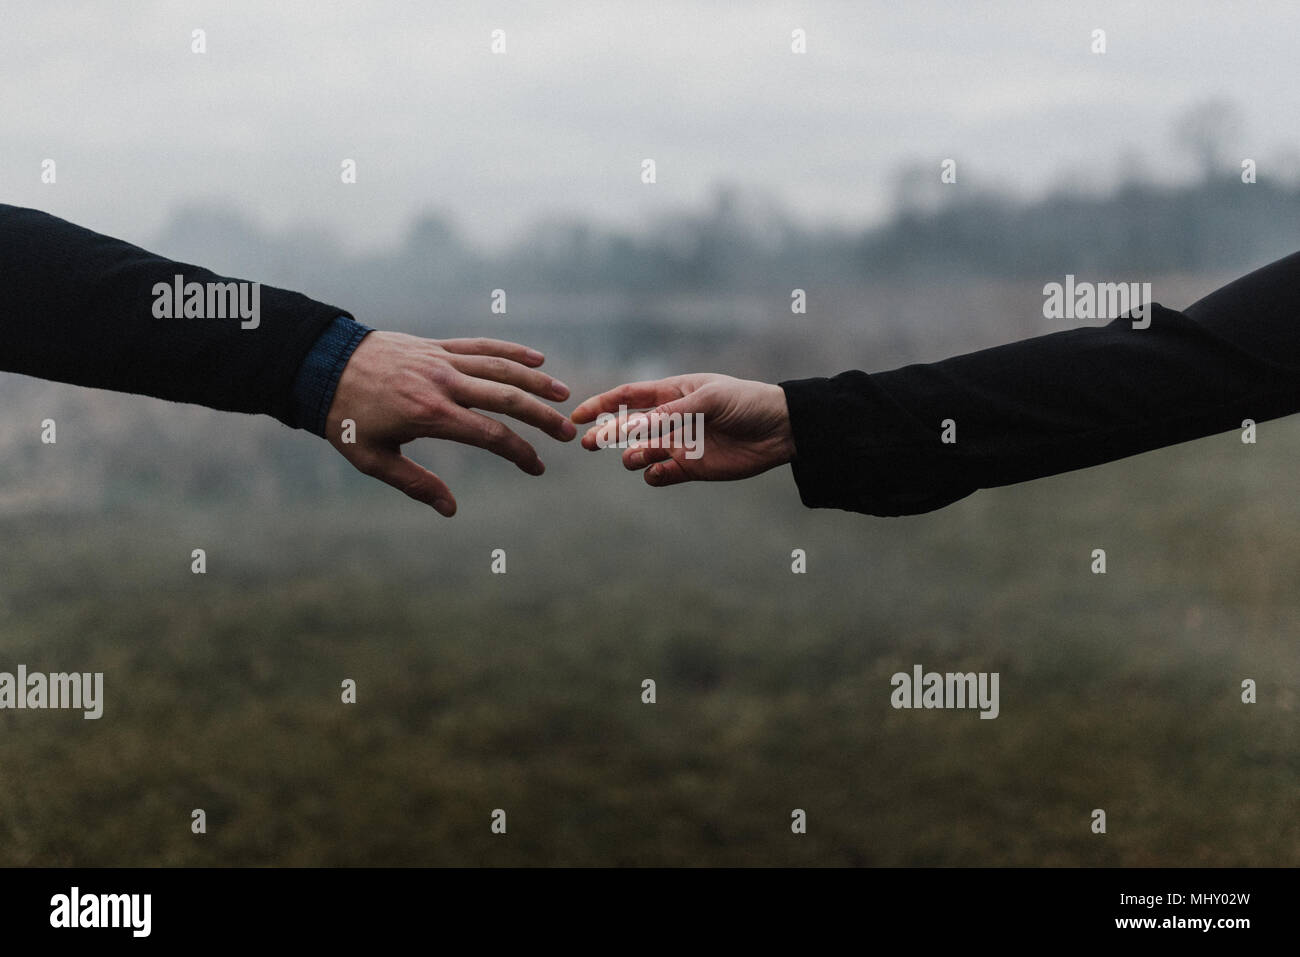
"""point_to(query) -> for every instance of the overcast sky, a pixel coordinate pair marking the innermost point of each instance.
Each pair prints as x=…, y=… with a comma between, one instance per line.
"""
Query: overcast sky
x=558, y=125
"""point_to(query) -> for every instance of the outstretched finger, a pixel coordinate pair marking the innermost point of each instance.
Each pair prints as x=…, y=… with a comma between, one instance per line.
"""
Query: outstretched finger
x=633, y=395
x=666, y=473
x=414, y=480
x=471, y=428
x=639, y=458
x=493, y=347
x=514, y=402
x=638, y=428
x=603, y=436
x=497, y=369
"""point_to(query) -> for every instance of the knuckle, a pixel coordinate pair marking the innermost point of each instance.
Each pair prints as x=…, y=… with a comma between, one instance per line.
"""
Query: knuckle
x=429, y=408
x=510, y=398
x=442, y=374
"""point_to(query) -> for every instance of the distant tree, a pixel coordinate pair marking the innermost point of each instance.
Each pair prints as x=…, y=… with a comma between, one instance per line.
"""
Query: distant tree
x=1207, y=130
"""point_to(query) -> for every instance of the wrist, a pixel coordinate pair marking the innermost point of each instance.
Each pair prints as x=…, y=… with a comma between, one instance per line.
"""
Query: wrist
x=318, y=377
x=783, y=433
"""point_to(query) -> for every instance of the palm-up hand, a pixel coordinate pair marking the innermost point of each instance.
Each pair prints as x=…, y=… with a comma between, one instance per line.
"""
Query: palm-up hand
x=746, y=427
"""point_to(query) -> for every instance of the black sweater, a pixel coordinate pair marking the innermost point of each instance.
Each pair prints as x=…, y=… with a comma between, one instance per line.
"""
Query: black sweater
x=872, y=443
x=76, y=306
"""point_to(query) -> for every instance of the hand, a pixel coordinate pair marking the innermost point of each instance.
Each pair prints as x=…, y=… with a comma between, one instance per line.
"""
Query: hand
x=397, y=388
x=746, y=427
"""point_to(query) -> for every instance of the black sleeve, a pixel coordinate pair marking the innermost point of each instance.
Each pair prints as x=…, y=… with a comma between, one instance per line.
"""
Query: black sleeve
x=77, y=306
x=872, y=443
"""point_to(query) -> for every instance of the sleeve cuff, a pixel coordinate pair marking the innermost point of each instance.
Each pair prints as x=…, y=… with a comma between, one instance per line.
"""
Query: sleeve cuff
x=318, y=376
x=857, y=450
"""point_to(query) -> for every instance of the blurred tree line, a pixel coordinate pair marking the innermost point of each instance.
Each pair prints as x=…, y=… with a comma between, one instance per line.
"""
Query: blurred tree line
x=741, y=243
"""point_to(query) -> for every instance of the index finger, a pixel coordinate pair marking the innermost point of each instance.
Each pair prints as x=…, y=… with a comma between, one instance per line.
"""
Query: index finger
x=634, y=395
x=493, y=347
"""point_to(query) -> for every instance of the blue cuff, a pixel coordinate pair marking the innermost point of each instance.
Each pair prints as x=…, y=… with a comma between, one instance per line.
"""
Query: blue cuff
x=318, y=376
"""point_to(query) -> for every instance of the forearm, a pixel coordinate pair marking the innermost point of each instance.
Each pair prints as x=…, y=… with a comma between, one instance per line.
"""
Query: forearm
x=1069, y=400
x=79, y=307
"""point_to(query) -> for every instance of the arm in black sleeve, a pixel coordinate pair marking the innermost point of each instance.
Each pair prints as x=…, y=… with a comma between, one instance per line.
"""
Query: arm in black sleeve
x=1051, y=404
x=78, y=307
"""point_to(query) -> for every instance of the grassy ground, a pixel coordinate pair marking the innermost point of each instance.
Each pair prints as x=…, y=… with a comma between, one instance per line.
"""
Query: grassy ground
x=479, y=691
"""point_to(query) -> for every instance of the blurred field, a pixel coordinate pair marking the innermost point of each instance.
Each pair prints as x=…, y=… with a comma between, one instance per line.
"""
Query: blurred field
x=522, y=691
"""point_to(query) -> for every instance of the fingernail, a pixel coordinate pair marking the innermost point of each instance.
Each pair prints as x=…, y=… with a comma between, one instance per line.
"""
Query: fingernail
x=637, y=459
x=559, y=389
x=569, y=430
x=442, y=505
x=534, y=355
